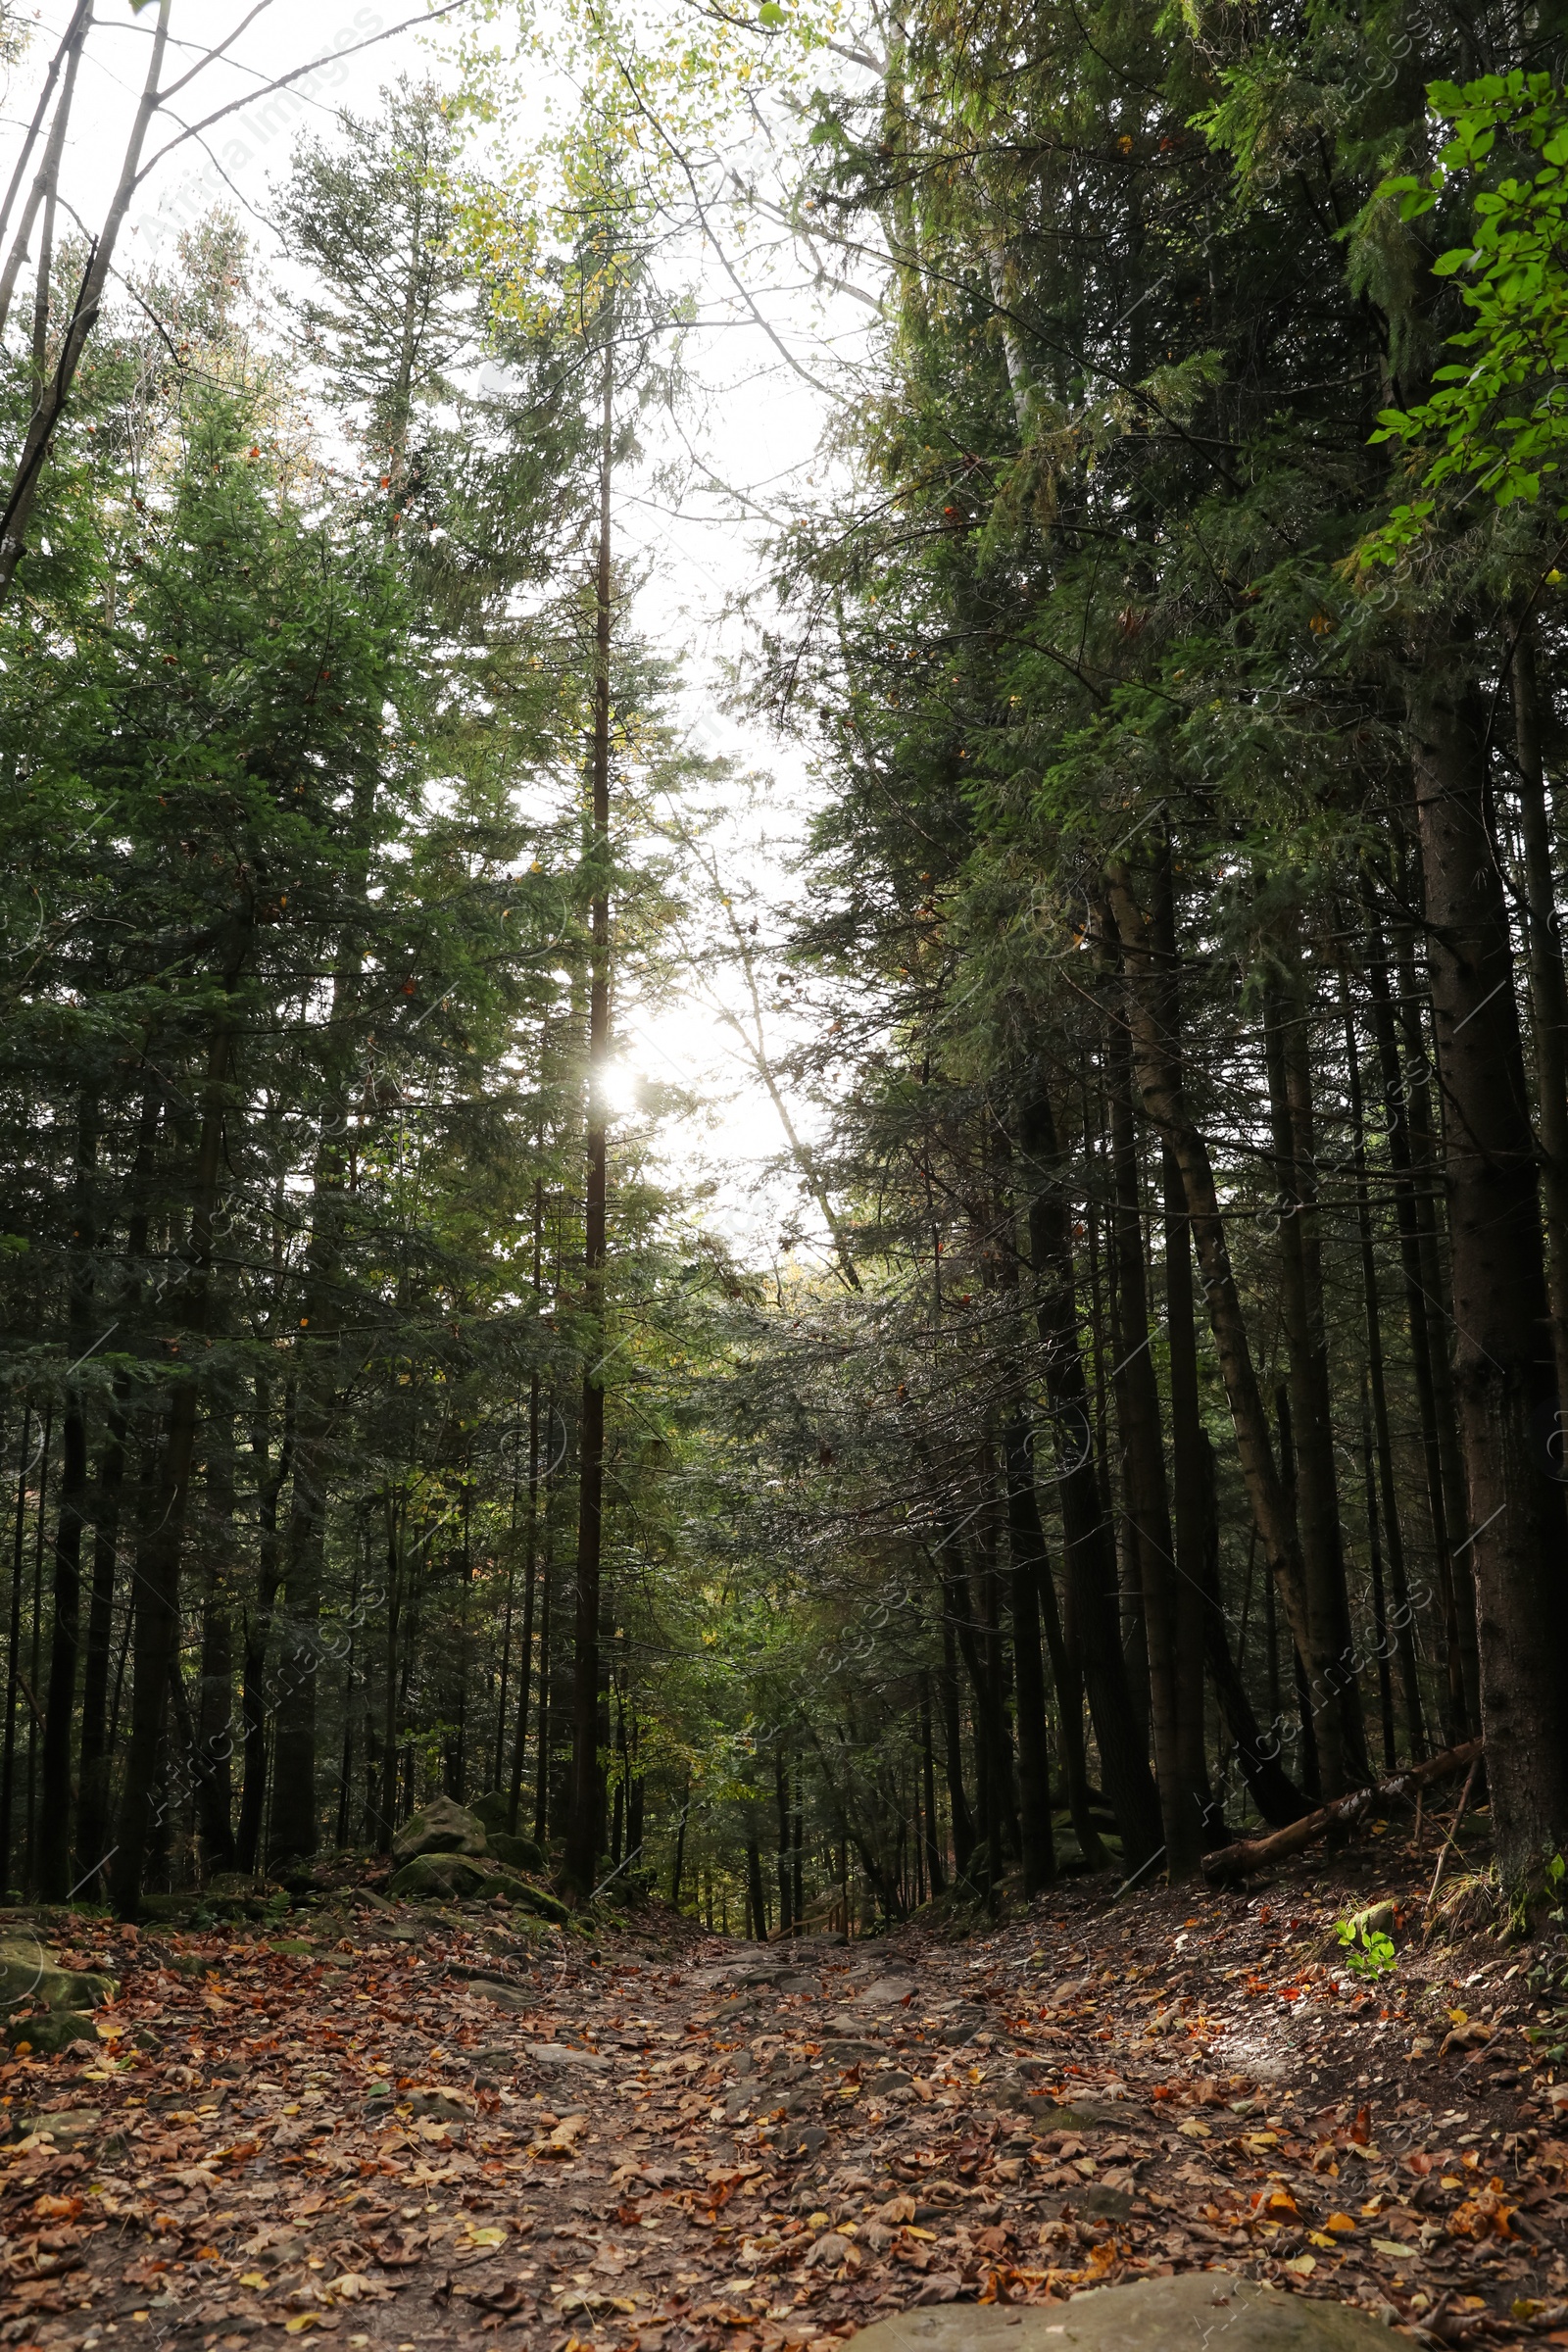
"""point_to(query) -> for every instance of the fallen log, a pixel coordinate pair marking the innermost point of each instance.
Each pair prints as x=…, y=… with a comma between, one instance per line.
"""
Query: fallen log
x=1251, y=1854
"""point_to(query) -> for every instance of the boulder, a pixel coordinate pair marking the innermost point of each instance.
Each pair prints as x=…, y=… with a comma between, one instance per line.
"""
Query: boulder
x=544, y=1906
x=440, y=1878
x=51, y=2032
x=1186, y=2314
x=520, y=1852
x=30, y=1974
x=494, y=1809
x=66, y=2126
x=443, y=1828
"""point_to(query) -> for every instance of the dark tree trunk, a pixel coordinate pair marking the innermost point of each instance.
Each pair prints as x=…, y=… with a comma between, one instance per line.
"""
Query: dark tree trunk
x=530, y=1574
x=55, y=1873
x=1165, y=1100
x=96, y=1745
x=1091, y=1562
x=215, y=1801
x=786, y=1917
x=587, y=1793
x=1328, y=1652
x=755, y=1892
x=1030, y=1569
x=1257, y=1752
x=933, y=1842
x=1392, y=1530
x=1549, y=996
x=958, y=1813
x=270, y=1484
x=160, y=1551
x=1505, y=1366
x=1138, y=1418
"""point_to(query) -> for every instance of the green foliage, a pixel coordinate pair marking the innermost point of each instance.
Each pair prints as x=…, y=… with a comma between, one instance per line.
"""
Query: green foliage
x=1500, y=417
x=1368, y=1951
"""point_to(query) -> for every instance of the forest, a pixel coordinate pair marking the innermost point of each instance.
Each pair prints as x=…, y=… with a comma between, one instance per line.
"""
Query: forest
x=1145, y=1429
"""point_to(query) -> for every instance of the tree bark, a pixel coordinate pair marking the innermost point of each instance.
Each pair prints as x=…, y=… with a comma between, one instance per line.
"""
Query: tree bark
x=1328, y=1654
x=582, y=1827
x=1549, y=1000
x=159, y=1560
x=1165, y=1100
x=1505, y=1365
x=55, y=1874
x=1138, y=1416
x=1030, y=1569
x=1094, y=1661
x=1392, y=1530
x=1253, y=1854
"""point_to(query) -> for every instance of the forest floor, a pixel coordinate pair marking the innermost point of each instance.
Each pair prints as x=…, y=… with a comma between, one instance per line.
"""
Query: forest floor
x=407, y=2127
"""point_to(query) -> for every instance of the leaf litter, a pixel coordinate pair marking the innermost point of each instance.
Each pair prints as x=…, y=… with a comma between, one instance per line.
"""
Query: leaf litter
x=405, y=2126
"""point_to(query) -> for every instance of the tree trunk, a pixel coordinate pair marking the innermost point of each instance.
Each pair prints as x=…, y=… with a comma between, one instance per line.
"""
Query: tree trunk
x=1505, y=1366
x=1030, y=1569
x=159, y=1553
x=1392, y=1532
x=1091, y=1566
x=932, y=1841
x=259, y=1622
x=55, y=1873
x=1138, y=1418
x=1549, y=1000
x=1165, y=1100
x=1269, y=1785
x=1329, y=1651
x=958, y=1813
x=582, y=1827
x=214, y=1749
x=530, y=1577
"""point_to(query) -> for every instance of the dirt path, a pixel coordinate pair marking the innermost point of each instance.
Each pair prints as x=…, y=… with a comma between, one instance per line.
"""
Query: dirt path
x=403, y=2127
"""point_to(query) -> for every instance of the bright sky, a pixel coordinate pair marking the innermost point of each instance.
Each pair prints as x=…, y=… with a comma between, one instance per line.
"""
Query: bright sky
x=754, y=424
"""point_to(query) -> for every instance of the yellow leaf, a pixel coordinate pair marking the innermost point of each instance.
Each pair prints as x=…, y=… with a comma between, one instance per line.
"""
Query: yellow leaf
x=487, y=2236
x=1339, y=2223
x=1318, y=2239
x=300, y=2322
x=1194, y=2129
x=1303, y=2264
x=1392, y=2245
x=253, y=2278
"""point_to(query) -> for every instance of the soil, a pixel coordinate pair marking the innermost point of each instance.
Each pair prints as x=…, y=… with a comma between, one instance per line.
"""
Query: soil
x=400, y=2126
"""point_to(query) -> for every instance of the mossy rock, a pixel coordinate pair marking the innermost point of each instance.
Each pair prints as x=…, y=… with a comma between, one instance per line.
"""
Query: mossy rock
x=170, y=1910
x=52, y=2032
x=494, y=1809
x=28, y=1974
x=520, y=1854
x=542, y=1905
x=66, y=2126
x=1188, y=2314
x=443, y=1828
x=441, y=1878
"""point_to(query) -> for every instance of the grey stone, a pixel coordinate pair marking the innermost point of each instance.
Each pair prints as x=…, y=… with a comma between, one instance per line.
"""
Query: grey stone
x=535, y=1900
x=66, y=2126
x=30, y=1973
x=560, y=2053
x=439, y=1877
x=443, y=1828
x=1152, y=2315
x=503, y=1997
x=520, y=1852
x=494, y=1808
x=47, y=2034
